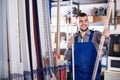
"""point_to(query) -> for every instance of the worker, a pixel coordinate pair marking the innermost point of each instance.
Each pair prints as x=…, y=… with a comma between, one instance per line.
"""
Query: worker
x=86, y=44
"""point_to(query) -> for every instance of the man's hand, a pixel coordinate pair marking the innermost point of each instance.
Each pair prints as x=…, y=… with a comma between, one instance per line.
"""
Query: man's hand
x=71, y=41
x=106, y=32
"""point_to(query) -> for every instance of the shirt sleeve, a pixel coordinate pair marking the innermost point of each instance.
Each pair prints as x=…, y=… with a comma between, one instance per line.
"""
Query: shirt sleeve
x=68, y=53
x=97, y=38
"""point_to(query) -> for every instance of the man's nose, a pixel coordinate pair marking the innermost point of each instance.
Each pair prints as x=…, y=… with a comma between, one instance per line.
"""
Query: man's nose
x=84, y=22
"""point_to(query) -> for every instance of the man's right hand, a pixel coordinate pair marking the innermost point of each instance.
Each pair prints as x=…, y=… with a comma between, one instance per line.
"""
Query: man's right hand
x=71, y=41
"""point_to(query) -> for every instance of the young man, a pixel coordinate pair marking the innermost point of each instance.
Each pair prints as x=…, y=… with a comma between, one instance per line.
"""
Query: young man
x=86, y=44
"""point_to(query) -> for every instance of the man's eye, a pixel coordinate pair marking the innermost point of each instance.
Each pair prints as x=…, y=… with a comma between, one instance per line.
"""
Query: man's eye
x=86, y=20
x=80, y=21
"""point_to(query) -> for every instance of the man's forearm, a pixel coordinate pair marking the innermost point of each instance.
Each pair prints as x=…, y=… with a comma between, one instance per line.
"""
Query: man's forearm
x=68, y=54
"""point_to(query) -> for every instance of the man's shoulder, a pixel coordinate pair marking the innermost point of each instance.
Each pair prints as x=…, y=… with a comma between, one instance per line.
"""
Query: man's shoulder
x=97, y=32
x=76, y=34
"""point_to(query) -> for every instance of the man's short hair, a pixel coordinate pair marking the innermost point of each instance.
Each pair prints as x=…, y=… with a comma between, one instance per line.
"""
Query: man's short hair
x=81, y=14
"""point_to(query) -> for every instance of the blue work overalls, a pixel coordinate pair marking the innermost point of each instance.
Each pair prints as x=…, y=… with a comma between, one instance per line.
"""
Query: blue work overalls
x=85, y=56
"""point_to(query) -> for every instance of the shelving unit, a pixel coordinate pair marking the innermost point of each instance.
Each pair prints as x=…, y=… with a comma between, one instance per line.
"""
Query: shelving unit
x=95, y=19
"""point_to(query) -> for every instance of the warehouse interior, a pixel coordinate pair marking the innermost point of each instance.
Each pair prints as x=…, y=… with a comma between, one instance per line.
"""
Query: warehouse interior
x=35, y=35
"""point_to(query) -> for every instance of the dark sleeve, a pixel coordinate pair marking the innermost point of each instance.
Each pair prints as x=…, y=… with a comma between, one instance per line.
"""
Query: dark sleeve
x=68, y=53
x=97, y=37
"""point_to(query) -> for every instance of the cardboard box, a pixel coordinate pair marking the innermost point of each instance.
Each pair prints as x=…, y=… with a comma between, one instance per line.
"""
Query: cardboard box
x=100, y=18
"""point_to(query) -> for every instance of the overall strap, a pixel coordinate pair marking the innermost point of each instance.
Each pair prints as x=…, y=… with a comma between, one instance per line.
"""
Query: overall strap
x=91, y=35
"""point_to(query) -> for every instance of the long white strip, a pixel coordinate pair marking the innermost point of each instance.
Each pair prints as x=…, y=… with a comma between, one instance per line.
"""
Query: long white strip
x=49, y=36
x=102, y=40
x=3, y=40
x=41, y=28
x=5, y=48
x=20, y=70
x=24, y=39
x=13, y=35
x=73, y=63
x=45, y=33
x=58, y=27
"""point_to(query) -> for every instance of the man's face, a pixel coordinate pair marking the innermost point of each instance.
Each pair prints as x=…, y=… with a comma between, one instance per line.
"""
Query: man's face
x=82, y=23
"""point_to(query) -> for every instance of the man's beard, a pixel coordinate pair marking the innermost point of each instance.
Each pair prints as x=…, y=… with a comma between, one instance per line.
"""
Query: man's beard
x=84, y=30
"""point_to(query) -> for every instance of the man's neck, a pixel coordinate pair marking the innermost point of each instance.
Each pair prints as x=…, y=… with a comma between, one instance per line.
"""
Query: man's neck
x=82, y=33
